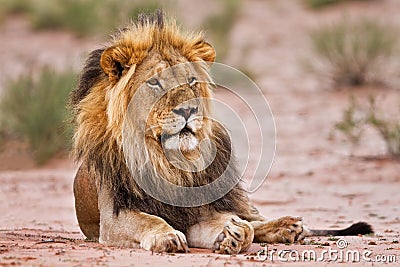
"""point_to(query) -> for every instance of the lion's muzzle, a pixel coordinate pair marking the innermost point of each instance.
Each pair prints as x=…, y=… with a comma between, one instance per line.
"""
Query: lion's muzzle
x=179, y=131
x=186, y=112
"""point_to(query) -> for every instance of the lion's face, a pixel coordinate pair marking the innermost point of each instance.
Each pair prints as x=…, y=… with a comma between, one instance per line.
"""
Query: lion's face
x=172, y=98
x=177, y=117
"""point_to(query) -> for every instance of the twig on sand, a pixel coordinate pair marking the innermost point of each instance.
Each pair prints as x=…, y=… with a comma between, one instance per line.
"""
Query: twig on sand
x=50, y=240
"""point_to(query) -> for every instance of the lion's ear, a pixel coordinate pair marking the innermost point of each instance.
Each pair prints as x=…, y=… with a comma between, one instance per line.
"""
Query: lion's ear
x=205, y=51
x=114, y=62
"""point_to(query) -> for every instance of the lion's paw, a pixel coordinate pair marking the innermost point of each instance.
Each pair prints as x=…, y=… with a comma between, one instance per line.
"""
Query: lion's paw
x=283, y=230
x=174, y=241
x=236, y=237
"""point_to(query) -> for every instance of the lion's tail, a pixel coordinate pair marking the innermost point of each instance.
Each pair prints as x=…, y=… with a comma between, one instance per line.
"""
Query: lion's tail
x=360, y=228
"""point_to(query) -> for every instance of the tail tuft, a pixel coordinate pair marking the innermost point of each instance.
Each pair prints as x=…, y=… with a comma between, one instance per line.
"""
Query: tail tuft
x=360, y=228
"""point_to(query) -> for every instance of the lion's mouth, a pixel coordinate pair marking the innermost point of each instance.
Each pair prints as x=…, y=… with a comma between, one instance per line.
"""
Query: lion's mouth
x=184, y=140
x=185, y=131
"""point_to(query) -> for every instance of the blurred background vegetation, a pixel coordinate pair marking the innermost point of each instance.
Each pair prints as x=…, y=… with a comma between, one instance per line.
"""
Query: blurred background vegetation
x=358, y=116
x=316, y=4
x=35, y=109
x=348, y=52
x=353, y=52
x=82, y=17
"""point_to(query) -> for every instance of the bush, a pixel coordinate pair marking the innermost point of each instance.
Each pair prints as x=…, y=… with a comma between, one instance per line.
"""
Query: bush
x=351, y=51
x=356, y=118
x=8, y=7
x=14, y=6
x=351, y=124
x=388, y=130
x=83, y=17
x=80, y=17
x=34, y=109
x=320, y=3
x=316, y=4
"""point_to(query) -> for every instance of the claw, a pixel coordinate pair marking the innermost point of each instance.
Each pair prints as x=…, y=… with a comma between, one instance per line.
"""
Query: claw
x=240, y=224
x=235, y=235
x=238, y=236
x=233, y=243
x=221, y=236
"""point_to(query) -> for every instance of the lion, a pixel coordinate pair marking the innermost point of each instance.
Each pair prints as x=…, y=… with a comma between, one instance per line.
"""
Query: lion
x=110, y=205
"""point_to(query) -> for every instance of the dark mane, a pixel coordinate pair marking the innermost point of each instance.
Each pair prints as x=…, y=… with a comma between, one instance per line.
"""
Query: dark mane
x=91, y=74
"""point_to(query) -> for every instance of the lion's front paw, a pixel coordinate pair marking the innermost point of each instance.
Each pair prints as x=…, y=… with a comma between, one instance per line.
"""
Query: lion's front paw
x=236, y=237
x=174, y=241
x=283, y=230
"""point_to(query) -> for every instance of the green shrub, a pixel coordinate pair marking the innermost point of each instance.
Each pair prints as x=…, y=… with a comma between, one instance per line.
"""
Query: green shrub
x=8, y=7
x=83, y=17
x=316, y=4
x=14, y=6
x=389, y=130
x=351, y=123
x=79, y=17
x=320, y=3
x=357, y=117
x=34, y=109
x=351, y=51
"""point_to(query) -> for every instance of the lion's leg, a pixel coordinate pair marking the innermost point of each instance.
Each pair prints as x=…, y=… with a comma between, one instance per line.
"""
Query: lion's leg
x=134, y=228
x=86, y=203
x=283, y=230
x=224, y=233
x=250, y=213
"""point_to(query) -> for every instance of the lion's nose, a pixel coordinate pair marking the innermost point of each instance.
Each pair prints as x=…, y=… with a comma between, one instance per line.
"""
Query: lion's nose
x=185, y=112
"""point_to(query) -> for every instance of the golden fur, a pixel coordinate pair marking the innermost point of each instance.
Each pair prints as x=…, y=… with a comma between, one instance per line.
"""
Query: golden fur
x=110, y=205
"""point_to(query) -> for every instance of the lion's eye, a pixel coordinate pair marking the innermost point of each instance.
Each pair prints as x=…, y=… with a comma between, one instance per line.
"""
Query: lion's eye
x=192, y=81
x=153, y=82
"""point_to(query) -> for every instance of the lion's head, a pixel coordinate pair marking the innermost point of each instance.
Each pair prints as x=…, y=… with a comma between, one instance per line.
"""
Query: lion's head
x=172, y=102
x=149, y=55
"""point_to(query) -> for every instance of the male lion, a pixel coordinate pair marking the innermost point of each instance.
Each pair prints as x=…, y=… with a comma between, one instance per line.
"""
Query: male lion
x=110, y=205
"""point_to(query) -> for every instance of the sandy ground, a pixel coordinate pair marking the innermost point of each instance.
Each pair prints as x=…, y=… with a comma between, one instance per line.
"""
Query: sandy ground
x=313, y=175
